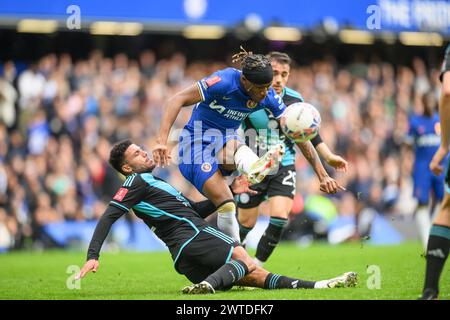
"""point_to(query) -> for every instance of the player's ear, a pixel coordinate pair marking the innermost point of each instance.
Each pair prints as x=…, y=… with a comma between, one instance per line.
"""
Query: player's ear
x=126, y=168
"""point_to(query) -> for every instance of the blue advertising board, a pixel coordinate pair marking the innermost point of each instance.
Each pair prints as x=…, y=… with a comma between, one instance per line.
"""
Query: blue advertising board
x=392, y=15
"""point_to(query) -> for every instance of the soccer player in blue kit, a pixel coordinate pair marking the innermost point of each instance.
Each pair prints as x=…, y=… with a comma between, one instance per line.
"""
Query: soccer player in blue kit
x=424, y=130
x=439, y=239
x=210, y=147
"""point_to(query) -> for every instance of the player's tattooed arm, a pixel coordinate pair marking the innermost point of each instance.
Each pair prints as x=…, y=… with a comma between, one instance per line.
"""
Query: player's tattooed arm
x=327, y=184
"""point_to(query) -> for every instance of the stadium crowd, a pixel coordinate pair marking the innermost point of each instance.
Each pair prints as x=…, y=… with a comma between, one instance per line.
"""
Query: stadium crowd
x=59, y=118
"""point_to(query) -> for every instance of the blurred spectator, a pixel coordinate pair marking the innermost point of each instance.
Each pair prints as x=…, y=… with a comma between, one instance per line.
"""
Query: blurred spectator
x=8, y=98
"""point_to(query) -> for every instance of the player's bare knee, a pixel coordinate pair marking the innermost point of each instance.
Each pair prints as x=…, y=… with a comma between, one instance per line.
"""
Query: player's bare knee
x=247, y=221
x=445, y=204
x=446, y=91
x=248, y=217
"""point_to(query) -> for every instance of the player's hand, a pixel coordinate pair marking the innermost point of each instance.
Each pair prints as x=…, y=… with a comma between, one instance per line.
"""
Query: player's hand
x=161, y=155
x=435, y=164
x=330, y=186
x=241, y=185
x=338, y=163
x=90, y=265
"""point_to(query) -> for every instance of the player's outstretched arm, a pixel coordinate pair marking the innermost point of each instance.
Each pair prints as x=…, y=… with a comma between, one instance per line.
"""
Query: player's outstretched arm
x=331, y=158
x=172, y=107
x=334, y=160
x=101, y=231
x=327, y=184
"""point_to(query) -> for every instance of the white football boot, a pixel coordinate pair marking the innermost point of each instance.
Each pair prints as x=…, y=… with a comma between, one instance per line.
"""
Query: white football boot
x=346, y=280
x=199, y=288
x=266, y=165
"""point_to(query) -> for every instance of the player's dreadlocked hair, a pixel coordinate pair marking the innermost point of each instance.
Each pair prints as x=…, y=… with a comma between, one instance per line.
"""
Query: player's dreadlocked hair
x=117, y=154
x=255, y=67
x=250, y=60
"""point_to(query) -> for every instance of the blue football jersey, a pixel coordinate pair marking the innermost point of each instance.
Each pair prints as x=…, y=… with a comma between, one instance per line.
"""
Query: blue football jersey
x=425, y=132
x=225, y=104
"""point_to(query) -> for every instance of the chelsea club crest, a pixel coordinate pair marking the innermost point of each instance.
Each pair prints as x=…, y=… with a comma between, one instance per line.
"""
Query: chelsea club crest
x=251, y=104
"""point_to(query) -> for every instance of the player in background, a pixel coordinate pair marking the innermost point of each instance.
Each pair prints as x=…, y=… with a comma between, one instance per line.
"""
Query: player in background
x=210, y=146
x=439, y=239
x=279, y=188
x=206, y=256
x=424, y=136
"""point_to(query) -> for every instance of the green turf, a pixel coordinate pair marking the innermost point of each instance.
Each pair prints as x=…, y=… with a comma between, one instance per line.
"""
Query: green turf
x=127, y=275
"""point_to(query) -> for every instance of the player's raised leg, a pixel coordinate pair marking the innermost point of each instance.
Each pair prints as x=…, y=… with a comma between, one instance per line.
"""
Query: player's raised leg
x=256, y=169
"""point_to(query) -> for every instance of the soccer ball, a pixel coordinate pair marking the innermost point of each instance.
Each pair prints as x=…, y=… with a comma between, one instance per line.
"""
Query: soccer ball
x=300, y=122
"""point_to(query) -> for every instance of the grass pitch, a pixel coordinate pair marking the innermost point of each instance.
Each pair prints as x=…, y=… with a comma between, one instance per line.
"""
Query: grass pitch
x=151, y=276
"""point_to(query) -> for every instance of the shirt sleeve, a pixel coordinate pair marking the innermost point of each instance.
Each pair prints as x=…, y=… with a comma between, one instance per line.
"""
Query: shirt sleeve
x=102, y=229
x=316, y=140
x=204, y=208
x=131, y=193
x=212, y=86
x=275, y=104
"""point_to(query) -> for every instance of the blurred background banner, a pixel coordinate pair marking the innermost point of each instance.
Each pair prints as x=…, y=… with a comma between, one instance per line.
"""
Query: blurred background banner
x=395, y=15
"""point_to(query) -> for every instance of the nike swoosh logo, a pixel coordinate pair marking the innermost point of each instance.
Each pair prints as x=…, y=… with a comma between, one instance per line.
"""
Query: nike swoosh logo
x=226, y=98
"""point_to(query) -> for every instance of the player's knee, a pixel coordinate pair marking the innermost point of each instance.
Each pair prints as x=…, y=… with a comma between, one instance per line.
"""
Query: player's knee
x=446, y=90
x=227, y=207
x=445, y=204
x=247, y=221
